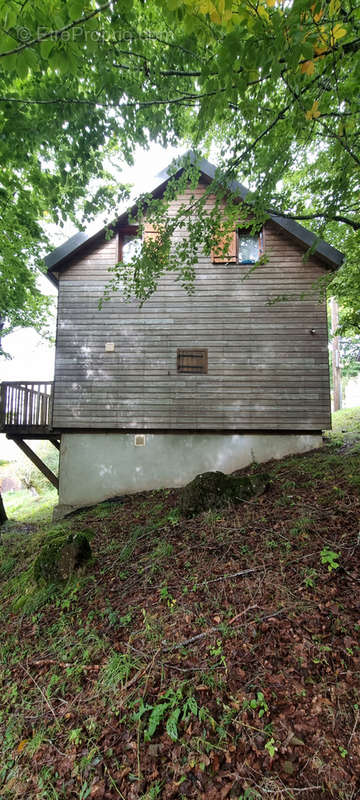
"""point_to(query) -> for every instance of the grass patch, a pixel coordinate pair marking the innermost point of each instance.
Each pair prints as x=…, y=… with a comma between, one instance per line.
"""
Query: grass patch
x=347, y=419
x=23, y=507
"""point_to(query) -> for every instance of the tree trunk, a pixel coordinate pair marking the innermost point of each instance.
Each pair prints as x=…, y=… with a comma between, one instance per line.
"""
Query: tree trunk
x=3, y=517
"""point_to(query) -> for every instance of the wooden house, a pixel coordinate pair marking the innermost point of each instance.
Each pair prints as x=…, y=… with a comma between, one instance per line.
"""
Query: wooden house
x=149, y=397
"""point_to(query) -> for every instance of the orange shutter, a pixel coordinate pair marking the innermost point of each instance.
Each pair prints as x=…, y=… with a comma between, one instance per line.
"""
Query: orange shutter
x=230, y=254
x=151, y=233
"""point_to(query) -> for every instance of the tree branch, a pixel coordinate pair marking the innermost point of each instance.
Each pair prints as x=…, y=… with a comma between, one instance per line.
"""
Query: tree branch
x=322, y=215
x=274, y=122
x=332, y=134
x=183, y=100
x=56, y=34
x=164, y=73
x=175, y=46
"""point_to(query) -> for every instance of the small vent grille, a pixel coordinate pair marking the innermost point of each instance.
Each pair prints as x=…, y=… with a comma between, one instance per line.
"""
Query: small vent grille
x=139, y=440
x=193, y=361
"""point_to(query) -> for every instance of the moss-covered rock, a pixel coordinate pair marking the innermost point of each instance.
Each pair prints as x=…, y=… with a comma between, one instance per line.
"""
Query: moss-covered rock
x=214, y=490
x=61, y=557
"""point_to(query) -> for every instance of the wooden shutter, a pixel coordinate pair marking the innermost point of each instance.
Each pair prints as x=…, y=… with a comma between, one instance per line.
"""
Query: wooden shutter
x=193, y=361
x=230, y=252
x=151, y=233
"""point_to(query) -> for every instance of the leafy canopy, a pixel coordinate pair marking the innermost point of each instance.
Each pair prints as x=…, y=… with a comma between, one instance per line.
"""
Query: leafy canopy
x=273, y=84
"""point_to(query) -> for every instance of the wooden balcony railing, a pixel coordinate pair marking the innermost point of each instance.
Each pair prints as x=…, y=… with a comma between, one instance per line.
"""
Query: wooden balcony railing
x=26, y=406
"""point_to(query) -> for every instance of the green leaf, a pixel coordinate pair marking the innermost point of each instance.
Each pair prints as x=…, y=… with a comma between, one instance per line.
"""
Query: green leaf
x=155, y=718
x=171, y=725
x=30, y=57
x=59, y=22
x=307, y=49
x=6, y=43
x=192, y=705
x=9, y=62
x=10, y=18
x=22, y=68
x=270, y=747
x=76, y=8
x=46, y=47
x=59, y=59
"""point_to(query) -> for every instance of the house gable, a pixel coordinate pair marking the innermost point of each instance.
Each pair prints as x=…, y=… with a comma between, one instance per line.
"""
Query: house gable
x=60, y=258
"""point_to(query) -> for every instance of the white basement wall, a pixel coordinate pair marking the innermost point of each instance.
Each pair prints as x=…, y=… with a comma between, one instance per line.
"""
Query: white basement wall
x=97, y=466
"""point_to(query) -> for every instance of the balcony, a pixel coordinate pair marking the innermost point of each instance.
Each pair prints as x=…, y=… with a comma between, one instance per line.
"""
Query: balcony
x=26, y=413
x=26, y=408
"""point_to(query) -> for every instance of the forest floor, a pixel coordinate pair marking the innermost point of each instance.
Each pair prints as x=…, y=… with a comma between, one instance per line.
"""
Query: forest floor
x=214, y=657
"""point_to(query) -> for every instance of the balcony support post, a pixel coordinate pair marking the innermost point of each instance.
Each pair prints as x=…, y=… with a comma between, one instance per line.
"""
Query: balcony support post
x=36, y=461
x=54, y=441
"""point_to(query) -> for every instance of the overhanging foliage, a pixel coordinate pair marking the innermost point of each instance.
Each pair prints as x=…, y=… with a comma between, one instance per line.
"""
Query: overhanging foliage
x=275, y=83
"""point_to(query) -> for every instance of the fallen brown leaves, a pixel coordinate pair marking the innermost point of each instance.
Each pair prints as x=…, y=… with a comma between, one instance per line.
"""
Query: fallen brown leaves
x=275, y=679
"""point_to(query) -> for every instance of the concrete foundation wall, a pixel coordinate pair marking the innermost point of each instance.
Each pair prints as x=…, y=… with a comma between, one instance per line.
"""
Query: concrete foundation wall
x=97, y=466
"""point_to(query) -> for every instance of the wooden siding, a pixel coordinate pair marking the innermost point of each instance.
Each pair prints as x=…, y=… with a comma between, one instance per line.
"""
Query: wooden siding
x=266, y=371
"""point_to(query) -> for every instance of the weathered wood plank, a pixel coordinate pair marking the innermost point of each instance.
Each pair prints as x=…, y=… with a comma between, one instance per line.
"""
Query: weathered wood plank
x=266, y=370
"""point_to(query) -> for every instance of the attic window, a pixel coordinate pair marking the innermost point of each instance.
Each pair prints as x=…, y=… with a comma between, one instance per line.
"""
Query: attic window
x=250, y=248
x=192, y=361
x=238, y=246
x=130, y=248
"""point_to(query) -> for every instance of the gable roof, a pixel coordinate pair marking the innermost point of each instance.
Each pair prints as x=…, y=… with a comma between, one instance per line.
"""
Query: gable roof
x=58, y=258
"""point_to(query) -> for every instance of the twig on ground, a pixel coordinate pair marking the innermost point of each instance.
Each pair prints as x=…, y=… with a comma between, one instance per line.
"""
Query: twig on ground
x=287, y=791
x=183, y=669
x=49, y=741
x=63, y=664
x=215, y=628
x=113, y=783
x=135, y=678
x=233, y=575
x=354, y=728
x=251, y=608
x=257, y=569
x=40, y=690
x=352, y=577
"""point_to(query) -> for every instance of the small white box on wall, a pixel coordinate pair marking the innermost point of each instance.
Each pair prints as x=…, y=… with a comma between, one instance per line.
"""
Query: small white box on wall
x=109, y=347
